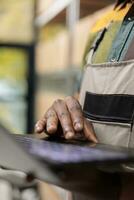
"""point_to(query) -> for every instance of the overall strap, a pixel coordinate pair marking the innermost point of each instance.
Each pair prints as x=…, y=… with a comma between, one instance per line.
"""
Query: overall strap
x=96, y=43
x=130, y=52
x=121, y=49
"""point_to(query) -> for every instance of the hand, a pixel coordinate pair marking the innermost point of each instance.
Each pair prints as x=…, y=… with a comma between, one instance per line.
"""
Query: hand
x=68, y=114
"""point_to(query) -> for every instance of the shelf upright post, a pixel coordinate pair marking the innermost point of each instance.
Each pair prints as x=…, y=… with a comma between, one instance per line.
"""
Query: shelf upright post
x=72, y=17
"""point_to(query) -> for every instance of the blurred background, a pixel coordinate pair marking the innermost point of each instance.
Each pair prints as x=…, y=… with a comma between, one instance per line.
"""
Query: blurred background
x=42, y=43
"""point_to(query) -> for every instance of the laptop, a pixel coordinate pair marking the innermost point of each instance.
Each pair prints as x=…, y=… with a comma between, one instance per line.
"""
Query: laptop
x=60, y=162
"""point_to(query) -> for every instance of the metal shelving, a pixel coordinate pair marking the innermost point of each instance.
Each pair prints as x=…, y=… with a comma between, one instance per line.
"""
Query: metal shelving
x=29, y=48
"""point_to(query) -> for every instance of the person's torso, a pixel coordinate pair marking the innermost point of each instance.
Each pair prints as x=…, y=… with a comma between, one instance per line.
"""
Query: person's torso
x=107, y=92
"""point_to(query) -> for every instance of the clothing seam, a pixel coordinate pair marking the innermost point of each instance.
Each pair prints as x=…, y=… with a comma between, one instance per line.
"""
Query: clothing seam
x=123, y=47
x=111, y=64
x=107, y=117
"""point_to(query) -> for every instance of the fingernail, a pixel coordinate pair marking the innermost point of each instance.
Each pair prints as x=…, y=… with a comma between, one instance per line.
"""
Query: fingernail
x=69, y=135
x=38, y=128
x=78, y=127
x=51, y=129
x=96, y=141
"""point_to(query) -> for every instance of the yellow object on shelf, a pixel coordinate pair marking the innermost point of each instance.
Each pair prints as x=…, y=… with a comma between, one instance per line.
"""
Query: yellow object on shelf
x=16, y=21
x=13, y=64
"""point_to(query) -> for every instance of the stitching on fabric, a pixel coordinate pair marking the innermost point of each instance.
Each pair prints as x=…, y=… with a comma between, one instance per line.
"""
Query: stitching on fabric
x=107, y=117
x=111, y=64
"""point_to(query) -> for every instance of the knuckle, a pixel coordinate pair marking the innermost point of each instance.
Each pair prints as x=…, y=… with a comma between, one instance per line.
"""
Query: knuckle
x=43, y=119
x=63, y=115
x=47, y=113
x=69, y=98
x=58, y=101
x=50, y=113
x=40, y=122
x=67, y=125
x=75, y=107
x=78, y=120
x=49, y=110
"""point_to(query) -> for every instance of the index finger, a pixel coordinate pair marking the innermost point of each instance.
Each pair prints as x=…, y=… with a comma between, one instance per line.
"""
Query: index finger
x=40, y=125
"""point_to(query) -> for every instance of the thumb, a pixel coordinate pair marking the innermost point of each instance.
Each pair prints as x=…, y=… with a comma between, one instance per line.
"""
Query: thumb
x=89, y=131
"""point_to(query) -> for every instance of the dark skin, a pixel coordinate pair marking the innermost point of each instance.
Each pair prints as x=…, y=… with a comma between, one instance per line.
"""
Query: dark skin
x=68, y=114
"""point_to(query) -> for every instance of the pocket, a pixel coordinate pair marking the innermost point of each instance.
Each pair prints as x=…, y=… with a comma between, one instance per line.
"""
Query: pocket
x=107, y=99
x=112, y=116
x=109, y=108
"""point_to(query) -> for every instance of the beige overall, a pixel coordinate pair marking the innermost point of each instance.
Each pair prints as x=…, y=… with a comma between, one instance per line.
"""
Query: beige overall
x=107, y=100
x=108, y=79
